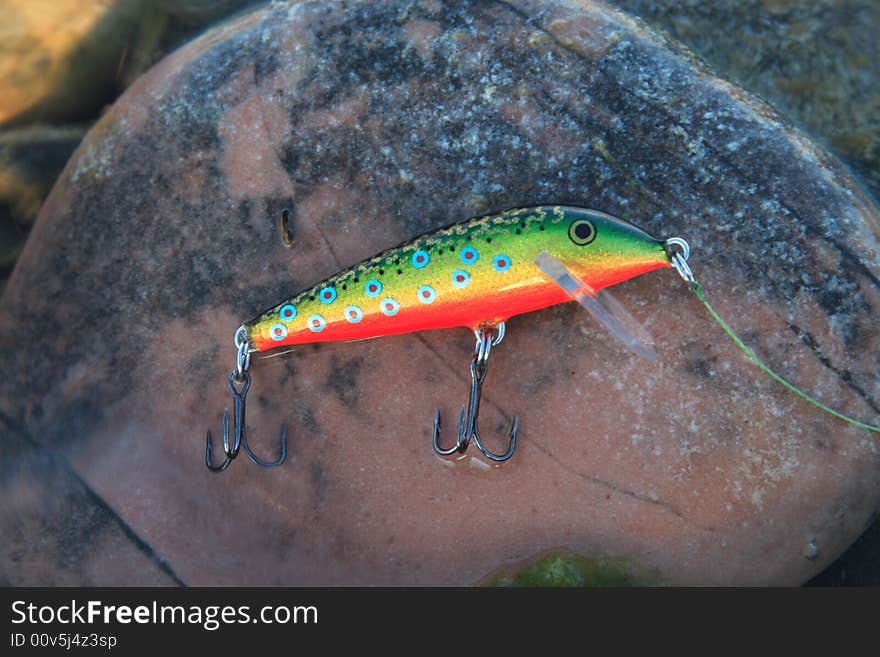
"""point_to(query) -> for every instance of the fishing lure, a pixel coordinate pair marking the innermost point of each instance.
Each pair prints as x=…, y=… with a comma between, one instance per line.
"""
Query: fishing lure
x=474, y=274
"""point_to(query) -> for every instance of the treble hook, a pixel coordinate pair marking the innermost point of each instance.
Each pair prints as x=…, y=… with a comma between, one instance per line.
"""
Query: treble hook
x=239, y=376
x=487, y=337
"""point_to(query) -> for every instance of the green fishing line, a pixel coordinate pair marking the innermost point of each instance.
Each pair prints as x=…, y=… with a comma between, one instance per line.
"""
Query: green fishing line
x=697, y=289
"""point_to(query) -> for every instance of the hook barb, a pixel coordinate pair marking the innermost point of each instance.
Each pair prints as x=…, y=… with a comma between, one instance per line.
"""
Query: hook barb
x=209, y=447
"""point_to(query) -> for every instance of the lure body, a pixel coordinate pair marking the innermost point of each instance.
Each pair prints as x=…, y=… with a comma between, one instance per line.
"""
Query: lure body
x=472, y=274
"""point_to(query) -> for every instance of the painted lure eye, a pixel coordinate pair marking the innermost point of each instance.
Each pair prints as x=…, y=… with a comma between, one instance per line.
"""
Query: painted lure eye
x=581, y=232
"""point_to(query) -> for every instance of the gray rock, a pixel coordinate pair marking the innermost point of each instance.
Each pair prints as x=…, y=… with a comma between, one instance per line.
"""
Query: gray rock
x=818, y=62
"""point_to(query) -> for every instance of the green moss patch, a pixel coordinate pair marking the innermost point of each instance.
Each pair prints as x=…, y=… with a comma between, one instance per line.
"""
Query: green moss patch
x=566, y=569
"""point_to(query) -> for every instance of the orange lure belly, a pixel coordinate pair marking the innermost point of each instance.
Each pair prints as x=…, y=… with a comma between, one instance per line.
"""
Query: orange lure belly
x=470, y=312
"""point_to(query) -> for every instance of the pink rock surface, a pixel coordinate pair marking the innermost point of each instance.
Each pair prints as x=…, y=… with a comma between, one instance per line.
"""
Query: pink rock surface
x=371, y=123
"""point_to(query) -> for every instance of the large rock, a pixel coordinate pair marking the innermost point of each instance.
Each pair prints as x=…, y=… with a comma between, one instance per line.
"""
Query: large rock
x=372, y=123
x=816, y=60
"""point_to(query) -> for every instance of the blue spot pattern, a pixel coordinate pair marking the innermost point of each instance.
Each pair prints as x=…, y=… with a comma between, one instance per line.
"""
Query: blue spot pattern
x=469, y=255
x=460, y=278
x=317, y=323
x=373, y=288
x=501, y=262
x=420, y=259
x=427, y=294
x=287, y=313
x=390, y=306
x=278, y=332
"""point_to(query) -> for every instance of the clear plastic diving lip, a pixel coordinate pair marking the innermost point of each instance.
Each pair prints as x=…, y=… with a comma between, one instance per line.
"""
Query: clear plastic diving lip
x=602, y=305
